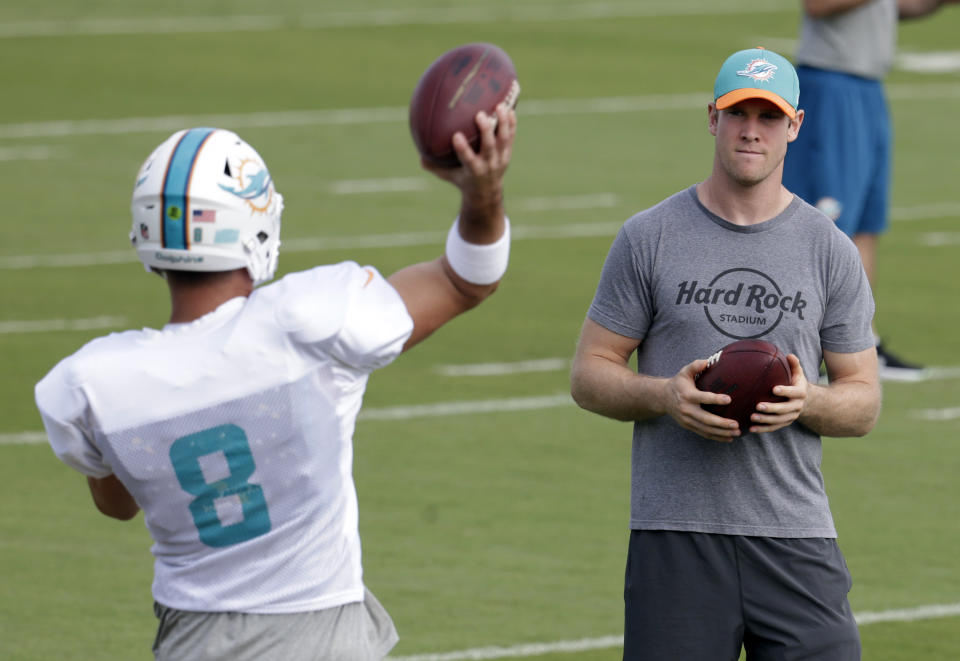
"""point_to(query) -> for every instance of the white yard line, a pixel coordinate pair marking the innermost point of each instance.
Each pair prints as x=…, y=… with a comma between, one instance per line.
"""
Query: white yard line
x=930, y=612
x=499, y=369
x=558, y=364
x=420, y=184
x=15, y=262
x=398, y=114
x=518, y=651
x=940, y=373
x=515, y=12
x=606, y=642
x=520, y=232
x=926, y=374
x=937, y=415
x=440, y=409
x=46, y=325
x=929, y=62
x=564, y=202
x=925, y=211
x=385, y=185
x=382, y=115
x=939, y=239
x=24, y=438
x=169, y=123
x=30, y=153
x=535, y=403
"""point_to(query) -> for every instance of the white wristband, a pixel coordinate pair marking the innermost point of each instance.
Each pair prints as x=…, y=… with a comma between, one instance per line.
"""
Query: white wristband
x=478, y=264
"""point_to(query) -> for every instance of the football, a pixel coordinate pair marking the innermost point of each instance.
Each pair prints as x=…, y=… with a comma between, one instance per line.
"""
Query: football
x=459, y=84
x=747, y=370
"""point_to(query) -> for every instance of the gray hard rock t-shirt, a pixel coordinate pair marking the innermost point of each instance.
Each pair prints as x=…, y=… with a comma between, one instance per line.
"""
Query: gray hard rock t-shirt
x=686, y=283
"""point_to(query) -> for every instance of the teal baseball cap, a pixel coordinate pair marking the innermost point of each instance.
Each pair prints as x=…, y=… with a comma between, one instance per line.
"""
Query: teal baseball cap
x=758, y=73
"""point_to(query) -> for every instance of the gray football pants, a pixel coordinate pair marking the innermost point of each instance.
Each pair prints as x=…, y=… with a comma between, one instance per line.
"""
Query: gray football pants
x=361, y=631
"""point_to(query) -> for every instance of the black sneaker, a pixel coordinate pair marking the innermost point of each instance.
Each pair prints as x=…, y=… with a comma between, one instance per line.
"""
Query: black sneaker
x=893, y=368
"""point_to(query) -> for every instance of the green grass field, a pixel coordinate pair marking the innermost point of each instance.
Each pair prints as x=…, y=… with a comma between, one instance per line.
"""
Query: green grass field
x=503, y=528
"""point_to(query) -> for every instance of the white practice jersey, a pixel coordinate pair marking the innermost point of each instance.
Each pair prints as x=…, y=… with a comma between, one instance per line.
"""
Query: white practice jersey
x=234, y=435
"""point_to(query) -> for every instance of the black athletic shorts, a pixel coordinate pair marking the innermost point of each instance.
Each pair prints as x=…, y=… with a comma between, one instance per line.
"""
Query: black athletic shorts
x=701, y=597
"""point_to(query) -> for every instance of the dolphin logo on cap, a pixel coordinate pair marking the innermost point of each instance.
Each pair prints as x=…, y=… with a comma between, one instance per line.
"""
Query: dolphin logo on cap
x=759, y=69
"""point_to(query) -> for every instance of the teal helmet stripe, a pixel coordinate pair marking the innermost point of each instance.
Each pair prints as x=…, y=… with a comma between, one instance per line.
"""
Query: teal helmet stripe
x=176, y=184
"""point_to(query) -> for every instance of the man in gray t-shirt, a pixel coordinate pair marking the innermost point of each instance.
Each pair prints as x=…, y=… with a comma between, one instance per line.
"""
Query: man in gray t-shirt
x=732, y=540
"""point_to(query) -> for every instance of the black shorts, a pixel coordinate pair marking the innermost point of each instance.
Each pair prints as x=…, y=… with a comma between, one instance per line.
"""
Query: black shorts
x=696, y=596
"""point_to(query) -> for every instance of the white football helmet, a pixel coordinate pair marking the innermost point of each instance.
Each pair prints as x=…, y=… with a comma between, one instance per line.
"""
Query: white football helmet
x=204, y=201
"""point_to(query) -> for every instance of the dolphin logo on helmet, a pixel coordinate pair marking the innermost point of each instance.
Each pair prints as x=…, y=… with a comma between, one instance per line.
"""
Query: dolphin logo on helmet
x=259, y=185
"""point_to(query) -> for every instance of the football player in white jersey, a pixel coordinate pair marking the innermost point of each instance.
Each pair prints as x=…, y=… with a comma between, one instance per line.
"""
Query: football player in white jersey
x=231, y=427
